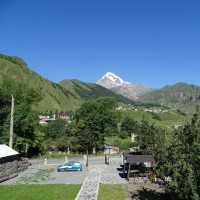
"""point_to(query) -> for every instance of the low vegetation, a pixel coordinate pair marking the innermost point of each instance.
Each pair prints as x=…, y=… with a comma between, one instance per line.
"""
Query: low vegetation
x=40, y=175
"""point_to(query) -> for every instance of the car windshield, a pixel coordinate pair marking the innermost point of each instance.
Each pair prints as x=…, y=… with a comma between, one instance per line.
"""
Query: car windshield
x=76, y=164
x=72, y=163
x=68, y=164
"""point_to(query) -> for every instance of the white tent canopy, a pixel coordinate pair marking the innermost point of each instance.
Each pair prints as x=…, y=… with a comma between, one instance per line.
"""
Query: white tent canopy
x=6, y=151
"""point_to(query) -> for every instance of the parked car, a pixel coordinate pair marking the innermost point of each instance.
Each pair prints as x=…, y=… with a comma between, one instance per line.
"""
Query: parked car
x=70, y=166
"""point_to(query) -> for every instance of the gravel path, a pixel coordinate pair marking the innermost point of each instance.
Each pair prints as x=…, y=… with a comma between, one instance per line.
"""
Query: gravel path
x=100, y=173
x=90, y=187
x=111, y=175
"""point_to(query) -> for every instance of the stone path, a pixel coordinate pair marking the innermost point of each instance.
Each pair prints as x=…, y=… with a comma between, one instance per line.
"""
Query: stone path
x=90, y=186
x=111, y=174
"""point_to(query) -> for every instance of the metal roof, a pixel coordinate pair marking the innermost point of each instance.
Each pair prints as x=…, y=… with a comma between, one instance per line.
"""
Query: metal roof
x=6, y=151
x=132, y=159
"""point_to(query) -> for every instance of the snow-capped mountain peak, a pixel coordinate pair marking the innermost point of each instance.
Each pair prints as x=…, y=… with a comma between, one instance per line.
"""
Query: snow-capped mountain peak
x=113, y=77
x=110, y=80
x=119, y=86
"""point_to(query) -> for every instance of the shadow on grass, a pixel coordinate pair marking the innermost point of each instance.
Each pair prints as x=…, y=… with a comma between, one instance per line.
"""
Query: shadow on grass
x=152, y=195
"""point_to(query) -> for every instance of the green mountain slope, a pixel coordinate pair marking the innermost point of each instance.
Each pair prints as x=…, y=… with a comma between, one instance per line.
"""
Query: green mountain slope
x=54, y=96
x=87, y=91
x=167, y=120
x=179, y=96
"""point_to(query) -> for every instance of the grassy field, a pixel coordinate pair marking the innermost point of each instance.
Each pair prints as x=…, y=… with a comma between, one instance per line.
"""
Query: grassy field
x=112, y=192
x=39, y=192
x=164, y=120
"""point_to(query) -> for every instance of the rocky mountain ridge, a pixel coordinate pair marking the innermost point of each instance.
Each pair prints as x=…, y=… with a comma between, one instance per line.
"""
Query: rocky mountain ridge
x=115, y=83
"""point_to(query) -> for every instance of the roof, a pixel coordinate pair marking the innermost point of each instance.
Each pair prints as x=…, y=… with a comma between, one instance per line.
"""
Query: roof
x=132, y=159
x=6, y=151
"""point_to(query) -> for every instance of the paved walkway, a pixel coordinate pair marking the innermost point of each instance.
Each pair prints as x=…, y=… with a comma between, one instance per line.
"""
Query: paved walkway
x=90, y=186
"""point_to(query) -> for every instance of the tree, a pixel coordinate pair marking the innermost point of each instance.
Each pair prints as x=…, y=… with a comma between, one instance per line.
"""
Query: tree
x=26, y=127
x=4, y=114
x=150, y=138
x=56, y=129
x=128, y=127
x=58, y=135
x=182, y=161
x=94, y=120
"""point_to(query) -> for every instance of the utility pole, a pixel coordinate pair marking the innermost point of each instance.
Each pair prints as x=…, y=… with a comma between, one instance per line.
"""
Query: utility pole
x=87, y=159
x=11, y=122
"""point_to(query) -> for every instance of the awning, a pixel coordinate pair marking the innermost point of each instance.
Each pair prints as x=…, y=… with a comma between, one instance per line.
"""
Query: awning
x=6, y=151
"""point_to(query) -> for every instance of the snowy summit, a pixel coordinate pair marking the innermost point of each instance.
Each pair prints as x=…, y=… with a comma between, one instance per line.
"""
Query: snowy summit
x=119, y=86
x=110, y=80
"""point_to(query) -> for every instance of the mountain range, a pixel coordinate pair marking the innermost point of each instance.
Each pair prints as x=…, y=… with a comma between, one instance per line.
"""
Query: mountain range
x=70, y=94
x=182, y=96
x=64, y=96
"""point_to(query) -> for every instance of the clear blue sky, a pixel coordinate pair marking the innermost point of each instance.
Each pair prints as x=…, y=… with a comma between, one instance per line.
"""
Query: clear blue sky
x=146, y=41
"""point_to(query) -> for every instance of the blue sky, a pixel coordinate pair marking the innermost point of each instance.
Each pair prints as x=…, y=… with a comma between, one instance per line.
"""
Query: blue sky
x=152, y=42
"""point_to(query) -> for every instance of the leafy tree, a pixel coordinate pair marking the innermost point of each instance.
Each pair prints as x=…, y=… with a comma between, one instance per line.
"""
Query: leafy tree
x=26, y=127
x=94, y=120
x=128, y=127
x=4, y=113
x=182, y=161
x=58, y=135
x=56, y=129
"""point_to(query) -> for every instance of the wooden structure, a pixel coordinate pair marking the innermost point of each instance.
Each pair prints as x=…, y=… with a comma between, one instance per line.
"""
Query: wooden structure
x=134, y=163
x=11, y=163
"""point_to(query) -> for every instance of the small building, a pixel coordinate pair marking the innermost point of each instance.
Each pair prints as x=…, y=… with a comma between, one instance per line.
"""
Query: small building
x=11, y=163
x=63, y=115
x=109, y=149
x=44, y=119
x=136, y=162
x=146, y=160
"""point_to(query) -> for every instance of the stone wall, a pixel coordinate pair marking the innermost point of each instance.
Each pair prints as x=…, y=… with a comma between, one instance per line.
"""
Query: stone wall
x=11, y=166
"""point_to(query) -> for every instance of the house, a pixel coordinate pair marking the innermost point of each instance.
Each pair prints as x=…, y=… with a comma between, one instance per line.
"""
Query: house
x=44, y=119
x=63, y=115
x=11, y=163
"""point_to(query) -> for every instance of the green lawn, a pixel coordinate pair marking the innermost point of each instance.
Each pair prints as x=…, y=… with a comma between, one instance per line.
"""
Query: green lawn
x=112, y=192
x=38, y=192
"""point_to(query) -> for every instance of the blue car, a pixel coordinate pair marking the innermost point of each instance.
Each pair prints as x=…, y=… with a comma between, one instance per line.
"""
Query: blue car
x=70, y=166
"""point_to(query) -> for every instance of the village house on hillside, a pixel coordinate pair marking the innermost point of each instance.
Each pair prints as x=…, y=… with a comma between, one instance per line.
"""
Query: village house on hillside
x=44, y=119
